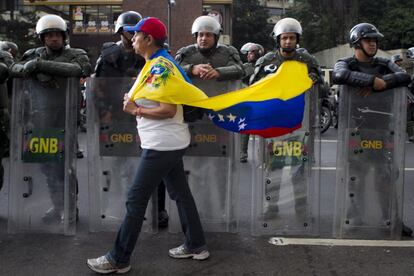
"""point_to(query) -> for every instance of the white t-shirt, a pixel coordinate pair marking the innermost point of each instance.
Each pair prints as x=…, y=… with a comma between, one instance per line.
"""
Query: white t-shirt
x=164, y=134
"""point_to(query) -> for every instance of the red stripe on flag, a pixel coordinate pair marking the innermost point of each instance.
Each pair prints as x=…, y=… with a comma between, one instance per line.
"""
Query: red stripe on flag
x=272, y=131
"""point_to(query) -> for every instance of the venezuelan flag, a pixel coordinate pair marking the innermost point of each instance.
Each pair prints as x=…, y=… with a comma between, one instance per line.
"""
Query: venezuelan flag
x=271, y=107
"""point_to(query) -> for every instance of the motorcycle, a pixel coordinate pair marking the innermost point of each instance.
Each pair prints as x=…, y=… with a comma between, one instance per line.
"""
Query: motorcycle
x=329, y=109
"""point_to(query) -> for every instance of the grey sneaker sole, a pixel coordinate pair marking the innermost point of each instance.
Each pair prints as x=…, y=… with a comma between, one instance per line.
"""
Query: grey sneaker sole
x=115, y=270
x=203, y=255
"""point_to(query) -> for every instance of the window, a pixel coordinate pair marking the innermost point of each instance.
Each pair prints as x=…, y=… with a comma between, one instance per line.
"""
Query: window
x=94, y=19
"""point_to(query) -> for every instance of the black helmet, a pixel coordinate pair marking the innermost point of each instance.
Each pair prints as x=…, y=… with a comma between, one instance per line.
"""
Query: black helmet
x=363, y=30
x=129, y=18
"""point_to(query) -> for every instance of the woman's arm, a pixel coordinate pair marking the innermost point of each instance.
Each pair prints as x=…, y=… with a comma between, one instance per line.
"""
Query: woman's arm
x=163, y=111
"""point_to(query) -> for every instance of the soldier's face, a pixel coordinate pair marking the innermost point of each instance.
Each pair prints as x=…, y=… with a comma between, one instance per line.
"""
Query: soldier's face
x=288, y=40
x=54, y=40
x=205, y=40
x=252, y=56
x=370, y=46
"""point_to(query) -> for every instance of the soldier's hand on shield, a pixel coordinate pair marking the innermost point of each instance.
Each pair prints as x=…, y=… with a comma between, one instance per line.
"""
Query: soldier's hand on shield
x=200, y=70
x=379, y=84
x=31, y=67
x=212, y=74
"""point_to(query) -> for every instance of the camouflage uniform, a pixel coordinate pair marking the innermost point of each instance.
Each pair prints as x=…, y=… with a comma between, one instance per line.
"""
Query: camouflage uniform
x=210, y=173
x=269, y=64
x=48, y=111
x=6, y=61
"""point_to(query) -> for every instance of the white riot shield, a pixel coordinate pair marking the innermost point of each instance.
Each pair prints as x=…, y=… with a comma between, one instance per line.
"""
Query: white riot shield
x=370, y=164
x=113, y=155
x=286, y=178
x=211, y=169
x=43, y=184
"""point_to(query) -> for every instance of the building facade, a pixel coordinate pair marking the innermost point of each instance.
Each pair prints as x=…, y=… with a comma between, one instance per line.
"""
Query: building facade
x=92, y=22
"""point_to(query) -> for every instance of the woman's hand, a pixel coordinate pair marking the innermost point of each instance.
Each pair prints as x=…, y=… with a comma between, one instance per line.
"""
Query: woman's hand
x=129, y=106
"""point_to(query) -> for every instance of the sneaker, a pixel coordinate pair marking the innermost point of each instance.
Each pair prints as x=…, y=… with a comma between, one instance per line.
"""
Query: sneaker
x=103, y=266
x=182, y=252
x=243, y=157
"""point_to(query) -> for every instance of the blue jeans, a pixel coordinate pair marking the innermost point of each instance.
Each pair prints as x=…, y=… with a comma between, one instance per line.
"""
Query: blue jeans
x=155, y=166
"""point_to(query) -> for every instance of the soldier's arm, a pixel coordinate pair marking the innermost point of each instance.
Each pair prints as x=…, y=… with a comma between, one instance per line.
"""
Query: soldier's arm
x=343, y=75
x=258, y=71
x=17, y=68
x=397, y=78
x=180, y=58
x=6, y=60
x=79, y=66
x=110, y=52
x=248, y=69
x=234, y=68
x=314, y=71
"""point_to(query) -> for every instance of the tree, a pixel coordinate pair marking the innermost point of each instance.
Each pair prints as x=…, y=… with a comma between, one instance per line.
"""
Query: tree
x=19, y=30
x=250, y=24
x=327, y=23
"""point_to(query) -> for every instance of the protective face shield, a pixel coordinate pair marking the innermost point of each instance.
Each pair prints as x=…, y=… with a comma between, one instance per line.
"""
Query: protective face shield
x=361, y=31
x=206, y=24
x=287, y=25
x=51, y=23
x=129, y=18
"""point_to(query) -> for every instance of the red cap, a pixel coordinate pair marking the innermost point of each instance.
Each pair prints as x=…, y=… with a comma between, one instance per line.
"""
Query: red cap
x=151, y=26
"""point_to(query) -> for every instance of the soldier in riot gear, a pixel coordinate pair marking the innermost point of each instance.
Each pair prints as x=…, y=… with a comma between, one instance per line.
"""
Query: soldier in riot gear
x=372, y=75
x=119, y=59
x=397, y=59
x=287, y=33
x=216, y=69
x=253, y=52
x=6, y=61
x=51, y=65
x=207, y=59
x=363, y=69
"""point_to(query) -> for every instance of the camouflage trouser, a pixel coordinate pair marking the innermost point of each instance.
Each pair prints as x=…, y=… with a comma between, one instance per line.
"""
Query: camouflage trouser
x=244, y=139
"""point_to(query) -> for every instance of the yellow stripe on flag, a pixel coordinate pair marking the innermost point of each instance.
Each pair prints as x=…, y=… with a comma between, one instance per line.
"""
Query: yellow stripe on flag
x=290, y=80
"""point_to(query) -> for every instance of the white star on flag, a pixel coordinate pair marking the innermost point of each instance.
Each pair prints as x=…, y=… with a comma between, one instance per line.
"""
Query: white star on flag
x=242, y=120
x=211, y=116
x=232, y=118
x=221, y=118
x=242, y=126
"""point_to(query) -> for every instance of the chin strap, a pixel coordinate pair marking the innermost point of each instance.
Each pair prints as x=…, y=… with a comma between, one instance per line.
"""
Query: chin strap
x=288, y=50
